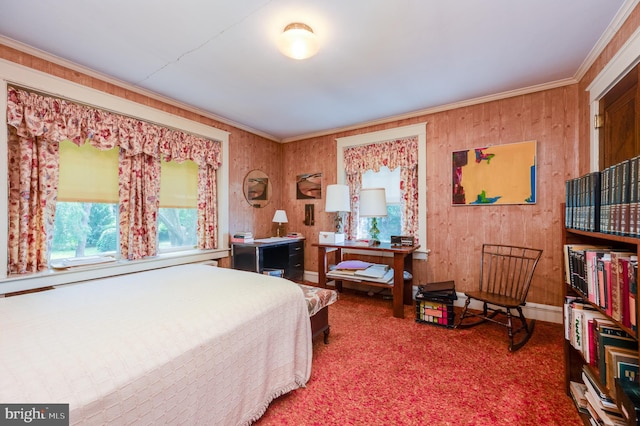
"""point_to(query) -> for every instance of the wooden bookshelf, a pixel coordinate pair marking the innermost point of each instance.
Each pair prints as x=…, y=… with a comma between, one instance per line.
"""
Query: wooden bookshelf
x=574, y=360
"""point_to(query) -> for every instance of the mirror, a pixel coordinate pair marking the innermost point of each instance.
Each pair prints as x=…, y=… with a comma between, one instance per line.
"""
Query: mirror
x=257, y=188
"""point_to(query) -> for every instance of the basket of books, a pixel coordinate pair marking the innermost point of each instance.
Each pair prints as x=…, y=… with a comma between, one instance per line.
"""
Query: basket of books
x=434, y=304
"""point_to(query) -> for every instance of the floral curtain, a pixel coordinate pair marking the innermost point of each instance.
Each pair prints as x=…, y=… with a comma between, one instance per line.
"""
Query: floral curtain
x=33, y=180
x=401, y=153
x=41, y=122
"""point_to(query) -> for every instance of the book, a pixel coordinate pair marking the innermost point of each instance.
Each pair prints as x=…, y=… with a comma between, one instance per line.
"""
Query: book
x=617, y=278
x=594, y=285
x=605, y=340
x=577, y=391
x=596, y=388
x=633, y=197
x=607, y=417
x=604, y=279
x=242, y=237
x=633, y=295
x=374, y=271
x=242, y=240
x=623, y=228
x=614, y=356
x=589, y=321
x=624, y=276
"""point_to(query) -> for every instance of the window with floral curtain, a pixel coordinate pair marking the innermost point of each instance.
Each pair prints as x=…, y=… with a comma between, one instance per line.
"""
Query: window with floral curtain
x=38, y=123
x=402, y=153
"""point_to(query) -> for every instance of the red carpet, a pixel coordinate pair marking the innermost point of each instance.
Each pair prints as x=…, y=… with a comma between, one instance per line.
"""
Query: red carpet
x=380, y=370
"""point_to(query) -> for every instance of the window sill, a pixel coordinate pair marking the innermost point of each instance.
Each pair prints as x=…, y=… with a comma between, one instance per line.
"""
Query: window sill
x=56, y=277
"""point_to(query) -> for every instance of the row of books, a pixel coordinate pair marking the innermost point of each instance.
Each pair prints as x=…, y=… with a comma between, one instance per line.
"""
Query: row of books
x=605, y=277
x=606, y=201
x=242, y=237
x=605, y=347
x=609, y=394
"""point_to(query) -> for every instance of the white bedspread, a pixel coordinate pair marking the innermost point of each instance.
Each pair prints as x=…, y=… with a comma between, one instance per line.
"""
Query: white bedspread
x=190, y=344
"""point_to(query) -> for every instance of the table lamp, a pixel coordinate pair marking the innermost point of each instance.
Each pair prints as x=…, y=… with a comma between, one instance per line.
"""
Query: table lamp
x=280, y=217
x=373, y=204
x=337, y=201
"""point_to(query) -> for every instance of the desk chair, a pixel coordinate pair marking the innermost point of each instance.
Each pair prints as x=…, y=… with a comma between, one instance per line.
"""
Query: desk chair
x=505, y=277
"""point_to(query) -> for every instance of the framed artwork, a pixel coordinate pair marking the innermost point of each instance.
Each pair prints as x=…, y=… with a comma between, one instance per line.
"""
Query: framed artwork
x=309, y=186
x=499, y=174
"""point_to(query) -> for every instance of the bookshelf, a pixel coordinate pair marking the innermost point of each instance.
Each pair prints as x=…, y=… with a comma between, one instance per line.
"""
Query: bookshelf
x=575, y=360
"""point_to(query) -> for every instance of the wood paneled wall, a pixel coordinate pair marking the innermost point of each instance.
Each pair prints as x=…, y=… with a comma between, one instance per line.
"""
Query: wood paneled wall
x=558, y=119
x=455, y=234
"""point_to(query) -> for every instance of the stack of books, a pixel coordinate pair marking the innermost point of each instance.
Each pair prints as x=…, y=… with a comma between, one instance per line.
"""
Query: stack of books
x=242, y=237
x=600, y=406
x=377, y=273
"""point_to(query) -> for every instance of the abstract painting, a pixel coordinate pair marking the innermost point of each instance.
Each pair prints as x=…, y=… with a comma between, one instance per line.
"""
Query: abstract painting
x=499, y=174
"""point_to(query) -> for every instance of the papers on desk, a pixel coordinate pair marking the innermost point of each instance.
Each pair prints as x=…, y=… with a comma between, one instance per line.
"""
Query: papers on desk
x=375, y=273
x=272, y=239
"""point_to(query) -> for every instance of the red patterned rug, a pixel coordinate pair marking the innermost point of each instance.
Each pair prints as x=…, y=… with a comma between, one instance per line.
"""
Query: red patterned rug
x=381, y=370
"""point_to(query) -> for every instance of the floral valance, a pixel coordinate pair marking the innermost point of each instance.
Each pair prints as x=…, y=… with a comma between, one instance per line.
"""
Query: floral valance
x=55, y=120
x=393, y=154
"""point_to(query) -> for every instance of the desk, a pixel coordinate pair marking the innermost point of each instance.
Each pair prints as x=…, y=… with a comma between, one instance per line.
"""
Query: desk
x=270, y=253
x=402, y=261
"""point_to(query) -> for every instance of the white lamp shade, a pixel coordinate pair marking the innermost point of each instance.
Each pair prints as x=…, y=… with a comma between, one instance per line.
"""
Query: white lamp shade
x=373, y=202
x=337, y=199
x=298, y=41
x=280, y=216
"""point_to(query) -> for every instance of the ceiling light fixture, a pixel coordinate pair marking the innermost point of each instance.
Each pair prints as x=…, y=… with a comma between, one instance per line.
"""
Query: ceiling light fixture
x=298, y=41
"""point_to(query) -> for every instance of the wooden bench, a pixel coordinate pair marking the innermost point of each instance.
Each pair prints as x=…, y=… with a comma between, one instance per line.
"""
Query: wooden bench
x=318, y=301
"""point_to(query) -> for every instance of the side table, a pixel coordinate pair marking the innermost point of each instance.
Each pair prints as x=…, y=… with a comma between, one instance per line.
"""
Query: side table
x=402, y=261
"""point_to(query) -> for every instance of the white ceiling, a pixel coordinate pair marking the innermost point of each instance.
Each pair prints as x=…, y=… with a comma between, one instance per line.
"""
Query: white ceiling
x=377, y=58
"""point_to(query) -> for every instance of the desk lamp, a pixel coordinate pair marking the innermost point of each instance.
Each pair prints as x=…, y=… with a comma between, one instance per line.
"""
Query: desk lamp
x=337, y=200
x=373, y=204
x=280, y=217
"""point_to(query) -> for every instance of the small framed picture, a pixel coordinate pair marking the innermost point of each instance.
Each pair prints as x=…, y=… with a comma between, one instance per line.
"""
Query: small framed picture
x=309, y=186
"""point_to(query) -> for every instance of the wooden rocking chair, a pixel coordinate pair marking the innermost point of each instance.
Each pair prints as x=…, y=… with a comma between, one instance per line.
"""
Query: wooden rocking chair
x=505, y=277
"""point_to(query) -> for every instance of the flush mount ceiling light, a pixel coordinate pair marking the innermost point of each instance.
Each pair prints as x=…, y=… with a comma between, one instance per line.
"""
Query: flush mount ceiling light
x=298, y=41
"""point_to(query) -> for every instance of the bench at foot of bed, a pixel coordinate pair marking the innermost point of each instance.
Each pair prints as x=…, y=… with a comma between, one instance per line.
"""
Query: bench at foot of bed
x=318, y=301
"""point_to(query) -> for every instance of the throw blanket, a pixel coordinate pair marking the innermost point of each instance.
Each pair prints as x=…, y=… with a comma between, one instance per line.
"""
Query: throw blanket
x=189, y=344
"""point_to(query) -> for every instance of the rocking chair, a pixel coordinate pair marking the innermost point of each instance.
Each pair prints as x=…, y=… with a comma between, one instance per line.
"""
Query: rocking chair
x=505, y=277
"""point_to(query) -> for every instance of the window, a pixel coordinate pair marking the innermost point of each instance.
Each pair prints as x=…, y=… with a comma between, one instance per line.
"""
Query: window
x=178, y=214
x=86, y=219
x=392, y=223
x=413, y=208
x=27, y=248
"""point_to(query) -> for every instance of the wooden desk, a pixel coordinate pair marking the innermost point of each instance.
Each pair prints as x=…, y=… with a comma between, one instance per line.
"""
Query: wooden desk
x=272, y=253
x=402, y=261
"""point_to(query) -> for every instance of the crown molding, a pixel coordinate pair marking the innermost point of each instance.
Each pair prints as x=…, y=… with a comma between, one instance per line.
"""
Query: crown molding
x=441, y=108
x=607, y=36
x=108, y=79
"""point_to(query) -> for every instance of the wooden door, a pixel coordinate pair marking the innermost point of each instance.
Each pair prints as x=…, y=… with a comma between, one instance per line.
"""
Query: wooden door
x=620, y=110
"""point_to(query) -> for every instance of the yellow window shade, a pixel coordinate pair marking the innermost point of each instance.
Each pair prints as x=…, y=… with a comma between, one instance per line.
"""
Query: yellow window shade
x=179, y=185
x=87, y=174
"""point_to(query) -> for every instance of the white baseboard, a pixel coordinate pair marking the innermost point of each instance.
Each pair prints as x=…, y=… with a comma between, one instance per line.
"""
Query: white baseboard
x=535, y=311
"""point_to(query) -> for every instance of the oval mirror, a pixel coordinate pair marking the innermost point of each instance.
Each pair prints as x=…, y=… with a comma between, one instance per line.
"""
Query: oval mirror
x=257, y=188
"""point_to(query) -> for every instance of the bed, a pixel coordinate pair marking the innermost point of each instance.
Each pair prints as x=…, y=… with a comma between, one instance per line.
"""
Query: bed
x=192, y=344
